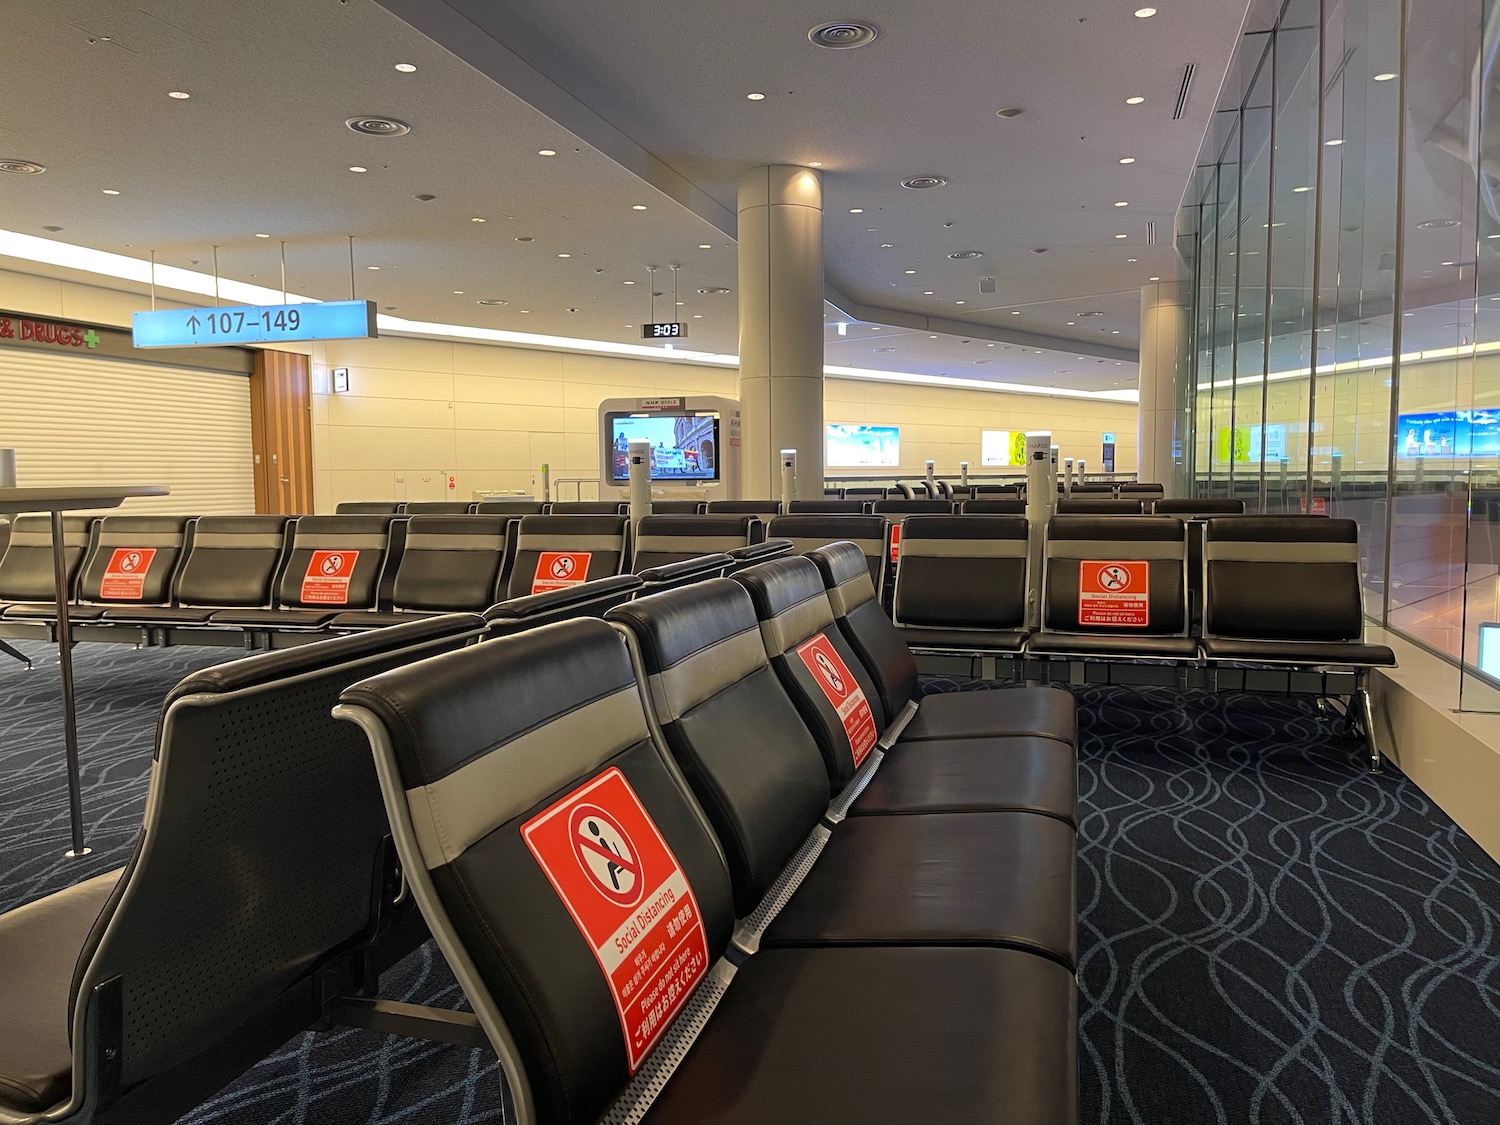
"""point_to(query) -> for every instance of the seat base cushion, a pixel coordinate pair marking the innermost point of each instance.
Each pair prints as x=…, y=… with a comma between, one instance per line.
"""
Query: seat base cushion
x=975, y=775
x=275, y=618
x=1041, y=712
x=970, y=878
x=39, y=947
x=884, y=1036
x=1154, y=648
x=162, y=614
x=377, y=619
x=1300, y=652
x=47, y=611
x=965, y=640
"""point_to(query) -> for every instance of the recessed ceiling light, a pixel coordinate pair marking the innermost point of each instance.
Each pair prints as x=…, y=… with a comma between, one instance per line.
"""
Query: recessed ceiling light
x=927, y=292
x=1450, y=263
x=1302, y=188
x=885, y=349
x=565, y=255
x=697, y=316
x=874, y=328
x=528, y=310
x=1122, y=236
x=180, y=95
x=989, y=345
x=756, y=97
x=1492, y=236
x=885, y=245
x=477, y=219
x=960, y=302
x=262, y=236
x=910, y=272
x=111, y=191
x=1122, y=203
x=932, y=337
x=1015, y=312
x=546, y=152
x=856, y=210
x=358, y=168
x=1008, y=112
x=458, y=292
x=815, y=164
x=1334, y=141
x=1134, y=101
x=705, y=246
x=627, y=283
x=1127, y=160
x=372, y=267
x=1144, y=13
x=637, y=206
x=1071, y=323
x=1153, y=279
x=524, y=238
x=1132, y=260
x=1386, y=77
x=406, y=68
x=1112, y=332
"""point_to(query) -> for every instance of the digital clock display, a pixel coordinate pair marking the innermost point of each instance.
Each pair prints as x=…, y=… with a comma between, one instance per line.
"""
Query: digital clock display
x=671, y=331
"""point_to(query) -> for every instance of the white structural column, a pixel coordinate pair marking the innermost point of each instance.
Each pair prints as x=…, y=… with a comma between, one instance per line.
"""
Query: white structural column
x=1164, y=366
x=781, y=328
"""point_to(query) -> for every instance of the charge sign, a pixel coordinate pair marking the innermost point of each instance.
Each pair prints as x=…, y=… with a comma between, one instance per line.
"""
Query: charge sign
x=629, y=898
x=327, y=579
x=842, y=690
x=557, y=570
x=125, y=575
x=1114, y=593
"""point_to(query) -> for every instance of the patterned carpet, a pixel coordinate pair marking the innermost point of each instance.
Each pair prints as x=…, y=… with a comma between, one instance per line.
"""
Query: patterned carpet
x=1268, y=934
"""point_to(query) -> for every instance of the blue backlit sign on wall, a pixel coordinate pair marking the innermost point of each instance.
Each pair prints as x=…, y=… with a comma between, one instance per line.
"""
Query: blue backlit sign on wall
x=1448, y=434
x=254, y=324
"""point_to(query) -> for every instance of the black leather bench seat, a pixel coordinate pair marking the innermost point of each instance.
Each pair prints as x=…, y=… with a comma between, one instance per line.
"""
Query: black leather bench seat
x=973, y=775
x=47, y=611
x=884, y=1036
x=980, y=640
x=161, y=614
x=1068, y=644
x=378, y=619
x=972, y=878
x=1299, y=652
x=1040, y=712
x=275, y=618
x=46, y=936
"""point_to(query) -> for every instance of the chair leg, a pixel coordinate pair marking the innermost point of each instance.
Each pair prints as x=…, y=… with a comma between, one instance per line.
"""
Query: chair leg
x=1367, y=721
x=9, y=650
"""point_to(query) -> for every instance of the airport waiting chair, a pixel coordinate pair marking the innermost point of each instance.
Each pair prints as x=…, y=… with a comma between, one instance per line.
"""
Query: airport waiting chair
x=1099, y=506
x=557, y=551
x=1114, y=588
x=587, y=599
x=1095, y=490
x=677, y=507
x=1198, y=507
x=766, y=510
x=683, y=572
x=897, y=510
x=28, y=583
x=436, y=508
x=1042, y=712
x=1286, y=590
x=871, y=534
x=994, y=506
x=231, y=562
x=510, y=508
x=260, y=888
x=961, y=586
x=575, y=1048
x=1145, y=489
x=589, y=508
x=335, y=564
x=449, y=564
x=851, y=507
x=742, y=558
x=663, y=539
x=368, y=508
x=130, y=561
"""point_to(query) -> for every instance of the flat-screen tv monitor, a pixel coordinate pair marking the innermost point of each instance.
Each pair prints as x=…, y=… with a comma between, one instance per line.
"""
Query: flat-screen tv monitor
x=854, y=446
x=684, y=444
x=1489, y=649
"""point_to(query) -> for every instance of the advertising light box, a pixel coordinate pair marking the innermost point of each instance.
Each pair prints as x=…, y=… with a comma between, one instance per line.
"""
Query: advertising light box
x=1448, y=434
x=853, y=446
x=1002, y=447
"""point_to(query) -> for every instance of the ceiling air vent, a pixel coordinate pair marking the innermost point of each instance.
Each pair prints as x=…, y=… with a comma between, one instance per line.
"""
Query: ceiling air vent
x=22, y=167
x=378, y=126
x=1182, y=95
x=965, y=255
x=919, y=183
x=843, y=36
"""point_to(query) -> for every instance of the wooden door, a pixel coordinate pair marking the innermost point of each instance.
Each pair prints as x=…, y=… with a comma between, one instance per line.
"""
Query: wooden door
x=281, y=433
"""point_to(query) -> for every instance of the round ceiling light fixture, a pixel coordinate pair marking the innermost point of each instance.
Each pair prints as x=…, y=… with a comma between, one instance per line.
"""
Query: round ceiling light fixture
x=1008, y=112
x=179, y=95
x=371, y=126
x=920, y=183
x=843, y=36
x=491, y=301
x=22, y=167
x=715, y=291
x=406, y=68
x=965, y=255
x=1093, y=312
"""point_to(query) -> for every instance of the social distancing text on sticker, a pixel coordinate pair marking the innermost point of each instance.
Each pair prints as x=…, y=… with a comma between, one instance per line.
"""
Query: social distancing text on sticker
x=629, y=898
x=1114, y=593
x=125, y=574
x=557, y=570
x=327, y=579
x=843, y=691
x=895, y=542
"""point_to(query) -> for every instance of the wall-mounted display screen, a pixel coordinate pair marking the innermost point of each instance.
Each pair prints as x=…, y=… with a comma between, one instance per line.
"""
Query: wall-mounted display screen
x=1246, y=441
x=1448, y=434
x=684, y=444
x=1002, y=447
x=852, y=446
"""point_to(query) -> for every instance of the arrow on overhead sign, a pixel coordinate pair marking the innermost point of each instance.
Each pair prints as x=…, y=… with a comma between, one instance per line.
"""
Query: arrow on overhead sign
x=193, y=323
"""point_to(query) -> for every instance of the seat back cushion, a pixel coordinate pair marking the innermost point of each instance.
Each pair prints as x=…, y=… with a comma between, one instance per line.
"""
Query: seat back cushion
x=335, y=561
x=865, y=625
x=133, y=560
x=662, y=539
x=871, y=534
x=1282, y=578
x=739, y=741
x=1115, y=577
x=232, y=561
x=557, y=551
x=963, y=572
x=26, y=571
x=451, y=562
x=549, y=826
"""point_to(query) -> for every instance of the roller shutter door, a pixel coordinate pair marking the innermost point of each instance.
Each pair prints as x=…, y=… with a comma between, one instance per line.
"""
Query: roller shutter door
x=76, y=420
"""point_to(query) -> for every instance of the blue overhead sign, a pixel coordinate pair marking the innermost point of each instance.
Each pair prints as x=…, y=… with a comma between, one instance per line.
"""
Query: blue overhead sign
x=254, y=324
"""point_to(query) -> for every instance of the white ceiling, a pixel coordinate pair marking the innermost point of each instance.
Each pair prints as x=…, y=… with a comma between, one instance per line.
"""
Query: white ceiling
x=652, y=98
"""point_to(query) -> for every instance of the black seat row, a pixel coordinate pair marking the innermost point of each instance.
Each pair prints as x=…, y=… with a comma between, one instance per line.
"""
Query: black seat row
x=622, y=840
x=528, y=507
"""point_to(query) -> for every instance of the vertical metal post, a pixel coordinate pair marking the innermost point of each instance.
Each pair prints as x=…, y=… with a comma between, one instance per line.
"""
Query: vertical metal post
x=216, y=277
x=1317, y=287
x=351, y=266
x=153, y=281
x=1397, y=320
x=963, y=474
x=65, y=663
x=788, y=478
x=639, y=457
x=1041, y=499
x=283, y=271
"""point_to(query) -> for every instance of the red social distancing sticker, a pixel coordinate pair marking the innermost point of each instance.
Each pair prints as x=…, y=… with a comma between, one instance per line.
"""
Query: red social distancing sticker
x=626, y=892
x=1114, y=593
x=327, y=579
x=557, y=570
x=125, y=574
x=843, y=691
x=895, y=542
